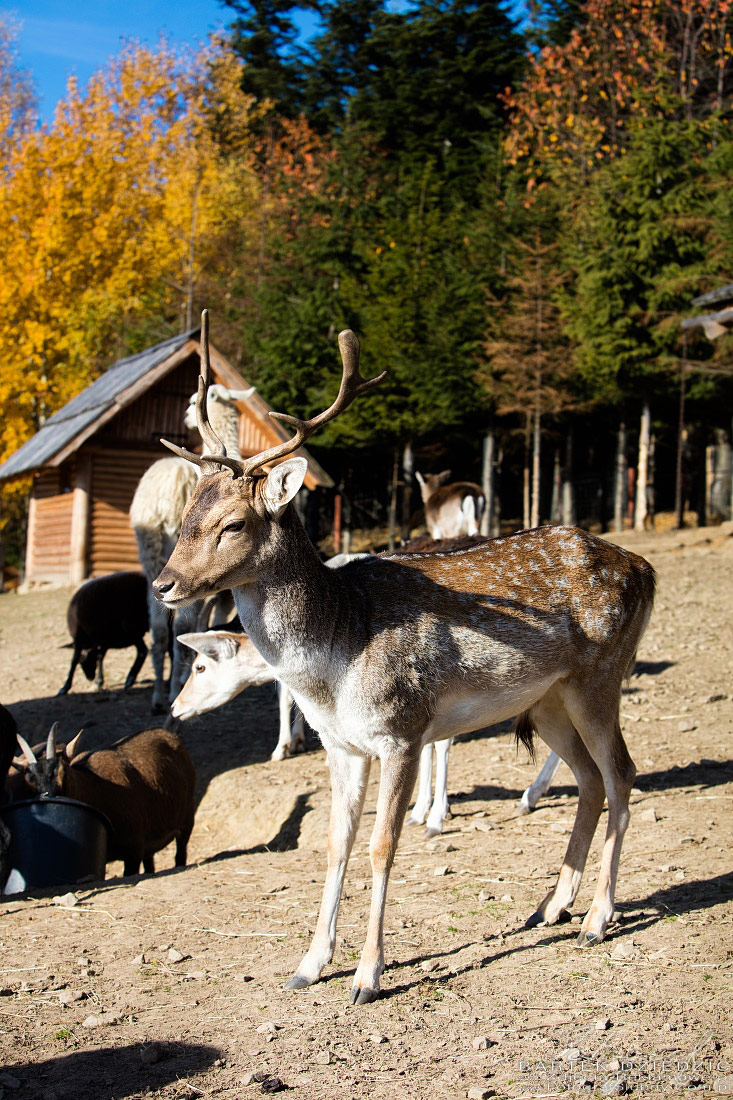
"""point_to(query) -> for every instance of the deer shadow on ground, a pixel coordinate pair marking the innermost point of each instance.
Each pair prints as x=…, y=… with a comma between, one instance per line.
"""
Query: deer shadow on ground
x=635, y=916
x=116, y=1072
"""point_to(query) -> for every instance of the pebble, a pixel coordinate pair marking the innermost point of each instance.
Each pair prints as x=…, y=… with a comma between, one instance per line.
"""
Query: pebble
x=686, y=727
x=325, y=1058
x=150, y=1054
x=377, y=1038
x=482, y=1042
x=175, y=956
x=273, y=1084
x=480, y=1092
x=101, y=1019
x=256, y=1077
x=614, y=1087
x=140, y=959
x=67, y=901
x=428, y=965
x=649, y=815
x=439, y=871
x=507, y=897
x=485, y=895
x=603, y=1024
x=570, y=1054
x=269, y=1028
x=68, y=996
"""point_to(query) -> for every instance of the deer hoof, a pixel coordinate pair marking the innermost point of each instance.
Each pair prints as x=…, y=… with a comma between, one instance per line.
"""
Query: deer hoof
x=296, y=982
x=537, y=920
x=588, y=939
x=431, y=831
x=363, y=996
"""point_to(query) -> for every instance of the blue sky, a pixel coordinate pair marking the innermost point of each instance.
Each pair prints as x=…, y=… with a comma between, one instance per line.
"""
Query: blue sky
x=59, y=37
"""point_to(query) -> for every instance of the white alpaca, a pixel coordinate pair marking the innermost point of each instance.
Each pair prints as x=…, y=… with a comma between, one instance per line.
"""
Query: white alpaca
x=155, y=515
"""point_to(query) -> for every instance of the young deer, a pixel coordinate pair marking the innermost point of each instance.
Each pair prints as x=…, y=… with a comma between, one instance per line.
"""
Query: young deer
x=385, y=655
x=451, y=510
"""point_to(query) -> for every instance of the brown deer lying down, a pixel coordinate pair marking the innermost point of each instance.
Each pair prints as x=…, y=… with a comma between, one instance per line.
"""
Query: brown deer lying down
x=386, y=655
x=451, y=510
x=143, y=784
x=109, y=612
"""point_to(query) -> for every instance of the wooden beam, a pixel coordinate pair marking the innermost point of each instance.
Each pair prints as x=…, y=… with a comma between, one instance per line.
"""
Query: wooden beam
x=30, y=533
x=80, y=520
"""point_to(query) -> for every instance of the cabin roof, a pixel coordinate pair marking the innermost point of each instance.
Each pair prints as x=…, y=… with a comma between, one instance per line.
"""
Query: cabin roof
x=120, y=385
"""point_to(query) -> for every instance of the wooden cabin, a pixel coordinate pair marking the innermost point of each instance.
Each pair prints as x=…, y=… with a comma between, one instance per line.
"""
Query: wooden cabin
x=87, y=459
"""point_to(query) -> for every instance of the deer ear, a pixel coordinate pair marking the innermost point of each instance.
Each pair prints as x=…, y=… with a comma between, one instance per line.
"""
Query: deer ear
x=282, y=483
x=216, y=644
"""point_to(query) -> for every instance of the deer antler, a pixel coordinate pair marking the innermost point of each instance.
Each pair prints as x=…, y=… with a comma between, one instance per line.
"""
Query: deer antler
x=217, y=453
x=352, y=384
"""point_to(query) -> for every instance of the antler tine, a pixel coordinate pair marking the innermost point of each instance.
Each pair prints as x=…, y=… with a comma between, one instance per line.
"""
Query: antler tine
x=207, y=433
x=217, y=454
x=352, y=384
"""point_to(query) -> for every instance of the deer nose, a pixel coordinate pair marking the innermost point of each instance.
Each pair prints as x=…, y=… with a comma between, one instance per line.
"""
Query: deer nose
x=161, y=589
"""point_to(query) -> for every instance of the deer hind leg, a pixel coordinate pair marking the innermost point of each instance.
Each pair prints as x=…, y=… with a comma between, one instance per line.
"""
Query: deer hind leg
x=557, y=730
x=349, y=775
x=534, y=792
x=424, y=787
x=395, y=786
x=440, y=808
x=605, y=743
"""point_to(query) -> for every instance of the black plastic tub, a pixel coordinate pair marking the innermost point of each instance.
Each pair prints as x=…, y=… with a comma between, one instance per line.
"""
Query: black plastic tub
x=54, y=841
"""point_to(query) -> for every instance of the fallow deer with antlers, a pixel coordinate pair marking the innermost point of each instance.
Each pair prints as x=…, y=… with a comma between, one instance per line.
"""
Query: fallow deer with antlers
x=385, y=655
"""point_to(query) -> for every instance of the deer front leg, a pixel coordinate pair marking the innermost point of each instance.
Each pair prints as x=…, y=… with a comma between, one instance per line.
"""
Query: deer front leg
x=395, y=788
x=349, y=775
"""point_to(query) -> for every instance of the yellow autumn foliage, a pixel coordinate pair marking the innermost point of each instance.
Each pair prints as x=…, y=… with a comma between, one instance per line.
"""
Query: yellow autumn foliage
x=106, y=216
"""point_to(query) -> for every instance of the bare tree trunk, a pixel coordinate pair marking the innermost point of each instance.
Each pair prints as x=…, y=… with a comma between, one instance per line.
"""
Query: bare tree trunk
x=642, y=473
x=487, y=483
x=525, y=476
x=408, y=465
x=568, y=492
x=556, y=504
x=392, y=533
x=619, y=499
x=536, y=448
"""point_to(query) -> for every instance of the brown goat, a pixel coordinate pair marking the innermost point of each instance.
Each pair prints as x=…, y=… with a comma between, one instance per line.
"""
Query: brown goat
x=143, y=784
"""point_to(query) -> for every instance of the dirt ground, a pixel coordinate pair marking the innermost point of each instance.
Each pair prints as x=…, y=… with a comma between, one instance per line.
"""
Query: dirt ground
x=170, y=985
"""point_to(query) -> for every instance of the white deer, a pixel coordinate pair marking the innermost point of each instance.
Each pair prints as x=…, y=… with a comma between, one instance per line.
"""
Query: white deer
x=385, y=655
x=155, y=517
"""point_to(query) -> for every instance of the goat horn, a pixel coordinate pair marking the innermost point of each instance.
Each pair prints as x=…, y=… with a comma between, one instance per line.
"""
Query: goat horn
x=28, y=752
x=51, y=743
x=71, y=747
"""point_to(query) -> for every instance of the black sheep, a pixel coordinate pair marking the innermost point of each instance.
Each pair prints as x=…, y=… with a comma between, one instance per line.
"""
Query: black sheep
x=109, y=612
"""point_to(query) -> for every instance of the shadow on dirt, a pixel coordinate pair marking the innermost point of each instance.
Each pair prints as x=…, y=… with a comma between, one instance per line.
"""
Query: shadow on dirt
x=117, y=1072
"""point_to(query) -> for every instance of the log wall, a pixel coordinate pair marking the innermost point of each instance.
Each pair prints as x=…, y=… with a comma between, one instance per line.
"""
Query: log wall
x=49, y=534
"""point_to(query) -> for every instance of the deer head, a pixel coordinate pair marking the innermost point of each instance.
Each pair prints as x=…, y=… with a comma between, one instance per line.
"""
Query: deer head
x=232, y=526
